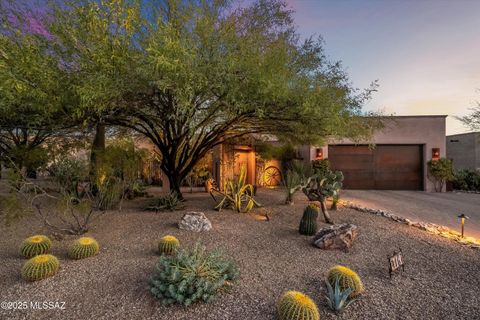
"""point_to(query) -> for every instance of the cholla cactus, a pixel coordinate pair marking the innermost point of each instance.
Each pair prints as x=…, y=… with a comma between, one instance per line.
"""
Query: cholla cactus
x=294, y=305
x=40, y=267
x=347, y=278
x=168, y=245
x=308, y=224
x=35, y=245
x=83, y=248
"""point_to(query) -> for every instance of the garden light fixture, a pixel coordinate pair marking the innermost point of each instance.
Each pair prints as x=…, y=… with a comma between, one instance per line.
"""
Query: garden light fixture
x=463, y=217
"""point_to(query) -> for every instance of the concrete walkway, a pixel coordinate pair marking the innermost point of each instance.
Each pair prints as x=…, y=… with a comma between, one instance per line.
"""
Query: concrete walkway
x=438, y=208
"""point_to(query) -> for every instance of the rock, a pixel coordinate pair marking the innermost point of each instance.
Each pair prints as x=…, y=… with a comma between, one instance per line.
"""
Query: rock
x=339, y=236
x=195, y=221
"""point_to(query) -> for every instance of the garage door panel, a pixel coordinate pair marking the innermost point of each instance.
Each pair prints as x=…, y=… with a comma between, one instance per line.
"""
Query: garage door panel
x=387, y=167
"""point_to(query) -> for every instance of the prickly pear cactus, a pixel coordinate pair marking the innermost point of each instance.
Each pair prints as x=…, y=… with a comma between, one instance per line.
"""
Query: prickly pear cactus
x=83, y=248
x=347, y=278
x=168, y=245
x=40, y=267
x=35, y=245
x=308, y=224
x=294, y=305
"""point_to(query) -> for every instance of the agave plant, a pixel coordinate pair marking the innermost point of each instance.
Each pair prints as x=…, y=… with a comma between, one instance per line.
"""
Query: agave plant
x=237, y=194
x=337, y=299
x=168, y=202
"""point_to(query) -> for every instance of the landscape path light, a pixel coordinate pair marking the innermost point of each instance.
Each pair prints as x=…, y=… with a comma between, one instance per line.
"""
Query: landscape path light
x=463, y=217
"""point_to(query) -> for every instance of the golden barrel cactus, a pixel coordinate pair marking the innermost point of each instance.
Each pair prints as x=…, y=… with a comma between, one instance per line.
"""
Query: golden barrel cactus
x=294, y=305
x=35, y=245
x=168, y=245
x=347, y=278
x=83, y=248
x=40, y=267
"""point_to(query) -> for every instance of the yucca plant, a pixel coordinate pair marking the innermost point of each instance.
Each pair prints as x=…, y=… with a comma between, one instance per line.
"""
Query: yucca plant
x=238, y=195
x=337, y=299
x=35, y=245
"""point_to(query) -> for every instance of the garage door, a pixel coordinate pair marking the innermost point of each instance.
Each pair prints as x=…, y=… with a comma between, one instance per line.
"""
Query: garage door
x=386, y=167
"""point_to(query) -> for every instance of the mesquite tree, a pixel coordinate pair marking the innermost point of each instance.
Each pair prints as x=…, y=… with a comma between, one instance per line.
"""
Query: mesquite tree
x=190, y=75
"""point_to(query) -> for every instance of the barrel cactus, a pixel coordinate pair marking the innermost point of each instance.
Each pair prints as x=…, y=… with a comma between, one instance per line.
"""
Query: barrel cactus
x=347, y=278
x=83, y=248
x=308, y=224
x=40, y=267
x=294, y=305
x=168, y=245
x=35, y=245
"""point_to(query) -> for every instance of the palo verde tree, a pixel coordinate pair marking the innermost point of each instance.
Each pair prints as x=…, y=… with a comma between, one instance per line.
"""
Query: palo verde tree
x=190, y=75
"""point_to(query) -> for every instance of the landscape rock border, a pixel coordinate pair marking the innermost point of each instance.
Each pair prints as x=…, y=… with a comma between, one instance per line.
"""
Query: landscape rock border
x=426, y=226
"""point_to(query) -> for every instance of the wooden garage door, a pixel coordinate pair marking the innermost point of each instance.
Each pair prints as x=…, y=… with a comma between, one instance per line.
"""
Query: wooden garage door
x=386, y=167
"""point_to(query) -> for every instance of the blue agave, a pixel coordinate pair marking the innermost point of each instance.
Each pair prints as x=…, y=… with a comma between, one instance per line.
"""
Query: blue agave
x=337, y=299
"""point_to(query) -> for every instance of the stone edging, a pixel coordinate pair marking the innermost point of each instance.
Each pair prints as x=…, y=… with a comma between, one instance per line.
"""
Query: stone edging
x=466, y=191
x=429, y=227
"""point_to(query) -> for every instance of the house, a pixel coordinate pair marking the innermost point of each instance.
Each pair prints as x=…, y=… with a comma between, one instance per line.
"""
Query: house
x=464, y=150
x=395, y=158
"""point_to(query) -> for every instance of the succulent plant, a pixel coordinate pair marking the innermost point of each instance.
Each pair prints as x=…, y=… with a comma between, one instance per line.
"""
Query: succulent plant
x=35, y=245
x=294, y=305
x=168, y=245
x=337, y=299
x=347, y=278
x=83, y=248
x=40, y=267
x=308, y=224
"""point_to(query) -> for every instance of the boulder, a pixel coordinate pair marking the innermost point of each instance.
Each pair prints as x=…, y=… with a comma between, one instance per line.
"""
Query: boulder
x=195, y=221
x=339, y=236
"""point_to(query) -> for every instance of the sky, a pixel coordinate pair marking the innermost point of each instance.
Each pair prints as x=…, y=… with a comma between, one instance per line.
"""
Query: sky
x=425, y=53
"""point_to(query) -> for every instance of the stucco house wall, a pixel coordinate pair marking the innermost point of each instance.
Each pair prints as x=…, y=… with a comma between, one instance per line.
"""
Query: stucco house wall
x=464, y=150
x=429, y=131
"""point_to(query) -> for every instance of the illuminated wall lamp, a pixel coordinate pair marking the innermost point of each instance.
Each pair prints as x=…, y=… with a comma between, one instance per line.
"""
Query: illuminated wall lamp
x=319, y=154
x=435, y=153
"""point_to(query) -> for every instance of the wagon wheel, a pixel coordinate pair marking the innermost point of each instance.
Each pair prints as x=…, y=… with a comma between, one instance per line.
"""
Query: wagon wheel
x=271, y=176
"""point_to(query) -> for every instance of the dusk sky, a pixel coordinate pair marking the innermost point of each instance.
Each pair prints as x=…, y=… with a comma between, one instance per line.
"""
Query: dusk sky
x=425, y=53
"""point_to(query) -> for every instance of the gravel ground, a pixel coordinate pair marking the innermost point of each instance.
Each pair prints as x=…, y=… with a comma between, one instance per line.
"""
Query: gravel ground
x=441, y=280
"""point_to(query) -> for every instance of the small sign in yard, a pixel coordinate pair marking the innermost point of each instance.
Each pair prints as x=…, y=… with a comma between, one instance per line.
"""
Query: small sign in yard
x=395, y=261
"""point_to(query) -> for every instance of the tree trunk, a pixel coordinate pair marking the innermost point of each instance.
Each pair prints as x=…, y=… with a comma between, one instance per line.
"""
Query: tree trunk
x=175, y=183
x=326, y=215
x=98, y=147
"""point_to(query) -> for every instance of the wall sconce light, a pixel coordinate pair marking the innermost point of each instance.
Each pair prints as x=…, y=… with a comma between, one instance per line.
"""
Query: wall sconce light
x=319, y=154
x=435, y=153
x=463, y=217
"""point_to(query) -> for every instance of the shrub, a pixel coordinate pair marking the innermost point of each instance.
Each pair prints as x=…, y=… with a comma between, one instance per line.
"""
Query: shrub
x=294, y=305
x=169, y=202
x=308, y=224
x=439, y=172
x=347, y=278
x=168, y=245
x=35, y=245
x=191, y=275
x=466, y=179
x=83, y=248
x=40, y=267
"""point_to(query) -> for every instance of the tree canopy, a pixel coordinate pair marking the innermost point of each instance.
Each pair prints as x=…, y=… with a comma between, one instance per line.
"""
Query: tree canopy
x=189, y=75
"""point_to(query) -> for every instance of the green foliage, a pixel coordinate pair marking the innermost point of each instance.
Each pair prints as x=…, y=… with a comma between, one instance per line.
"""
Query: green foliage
x=468, y=180
x=294, y=305
x=35, y=245
x=40, y=267
x=337, y=299
x=191, y=276
x=68, y=172
x=168, y=202
x=83, y=248
x=237, y=194
x=439, y=172
x=168, y=245
x=294, y=177
x=321, y=167
x=347, y=279
x=308, y=224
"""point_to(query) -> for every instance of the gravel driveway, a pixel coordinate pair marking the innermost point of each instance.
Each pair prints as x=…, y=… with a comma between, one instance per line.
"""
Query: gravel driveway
x=438, y=208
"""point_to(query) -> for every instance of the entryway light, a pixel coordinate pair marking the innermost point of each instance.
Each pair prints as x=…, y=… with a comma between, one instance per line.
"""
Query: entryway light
x=463, y=217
